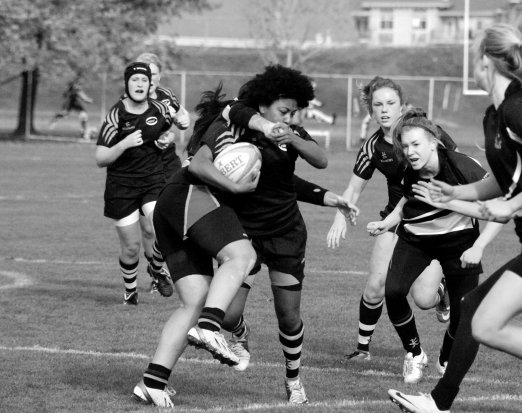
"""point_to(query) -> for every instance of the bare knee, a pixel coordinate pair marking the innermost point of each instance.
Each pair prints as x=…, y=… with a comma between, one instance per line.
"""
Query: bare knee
x=374, y=289
x=130, y=251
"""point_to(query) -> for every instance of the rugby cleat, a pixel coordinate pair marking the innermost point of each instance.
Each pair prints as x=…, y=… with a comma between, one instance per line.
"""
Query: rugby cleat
x=357, y=355
x=214, y=343
x=130, y=298
x=157, y=397
x=413, y=367
x=441, y=367
x=240, y=349
x=161, y=281
x=295, y=392
x=423, y=403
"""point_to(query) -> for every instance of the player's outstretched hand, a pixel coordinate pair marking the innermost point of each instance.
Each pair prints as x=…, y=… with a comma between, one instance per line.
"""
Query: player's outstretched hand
x=336, y=232
x=423, y=193
x=349, y=210
x=439, y=191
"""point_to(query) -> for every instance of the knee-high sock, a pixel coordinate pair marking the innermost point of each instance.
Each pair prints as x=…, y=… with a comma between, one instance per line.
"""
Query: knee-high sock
x=292, y=342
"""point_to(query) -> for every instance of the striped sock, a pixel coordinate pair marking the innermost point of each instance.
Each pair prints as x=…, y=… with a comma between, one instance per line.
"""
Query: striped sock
x=240, y=329
x=369, y=314
x=130, y=274
x=157, y=261
x=211, y=318
x=156, y=376
x=292, y=343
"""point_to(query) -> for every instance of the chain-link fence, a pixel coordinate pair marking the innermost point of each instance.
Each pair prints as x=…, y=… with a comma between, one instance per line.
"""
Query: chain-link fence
x=441, y=98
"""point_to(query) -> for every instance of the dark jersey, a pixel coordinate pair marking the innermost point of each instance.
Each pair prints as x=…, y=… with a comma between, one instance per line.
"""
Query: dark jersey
x=141, y=161
x=272, y=208
x=377, y=153
x=423, y=221
x=503, y=132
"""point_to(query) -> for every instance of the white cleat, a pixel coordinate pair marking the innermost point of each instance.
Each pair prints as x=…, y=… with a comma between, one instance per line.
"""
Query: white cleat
x=157, y=397
x=423, y=403
x=295, y=391
x=241, y=350
x=441, y=367
x=214, y=343
x=413, y=367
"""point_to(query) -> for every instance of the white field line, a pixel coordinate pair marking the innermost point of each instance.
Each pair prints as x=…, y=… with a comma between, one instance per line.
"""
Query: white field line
x=95, y=262
x=46, y=197
x=379, y=373
x=18, y=280
x=270, y=406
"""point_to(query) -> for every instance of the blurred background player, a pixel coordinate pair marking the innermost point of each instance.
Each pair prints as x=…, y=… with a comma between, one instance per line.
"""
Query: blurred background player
x=169, y=157
x=74, y=98
x=312, y=112
x=129, y=146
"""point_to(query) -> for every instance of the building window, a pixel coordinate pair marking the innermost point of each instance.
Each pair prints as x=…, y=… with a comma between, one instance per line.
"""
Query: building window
x=386, y=19
x=419, y=20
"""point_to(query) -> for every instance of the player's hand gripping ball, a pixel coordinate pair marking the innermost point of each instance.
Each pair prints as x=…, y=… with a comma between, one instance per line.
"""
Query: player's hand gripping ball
x=239, y=161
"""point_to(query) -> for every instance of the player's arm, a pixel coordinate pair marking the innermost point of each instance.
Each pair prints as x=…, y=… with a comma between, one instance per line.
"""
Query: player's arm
x=472, y=256
x=246, y=117
x=107, y=155
x=181, y=118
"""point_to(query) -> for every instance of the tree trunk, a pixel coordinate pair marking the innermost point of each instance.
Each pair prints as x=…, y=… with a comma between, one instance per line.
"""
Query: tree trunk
x=27, y=103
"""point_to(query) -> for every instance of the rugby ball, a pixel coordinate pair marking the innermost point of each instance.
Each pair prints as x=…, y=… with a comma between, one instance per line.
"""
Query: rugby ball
x=238, y=161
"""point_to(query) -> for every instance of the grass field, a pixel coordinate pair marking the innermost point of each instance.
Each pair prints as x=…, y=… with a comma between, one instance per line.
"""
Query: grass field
x=67, y=343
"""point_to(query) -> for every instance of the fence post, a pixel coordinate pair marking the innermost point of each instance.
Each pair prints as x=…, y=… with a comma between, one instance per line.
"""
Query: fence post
x=349, y=113
x=431, y=98
x=103, y=102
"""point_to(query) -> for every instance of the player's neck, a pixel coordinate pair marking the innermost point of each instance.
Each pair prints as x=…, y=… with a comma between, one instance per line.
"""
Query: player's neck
x=136, y=108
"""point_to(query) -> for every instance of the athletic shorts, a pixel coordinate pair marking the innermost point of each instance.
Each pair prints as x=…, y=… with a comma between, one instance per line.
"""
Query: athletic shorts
x=415, y=257
x=123, y=198
x=192, y=227
x=284, y=253
x=515, y=265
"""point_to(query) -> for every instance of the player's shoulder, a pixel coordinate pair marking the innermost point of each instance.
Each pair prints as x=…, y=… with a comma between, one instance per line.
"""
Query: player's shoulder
x=165, y=92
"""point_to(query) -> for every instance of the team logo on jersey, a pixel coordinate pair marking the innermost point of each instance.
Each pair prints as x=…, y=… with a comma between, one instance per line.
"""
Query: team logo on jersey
x=282, y=146
x=127, y=126
x=385, y=157
x=151, y=121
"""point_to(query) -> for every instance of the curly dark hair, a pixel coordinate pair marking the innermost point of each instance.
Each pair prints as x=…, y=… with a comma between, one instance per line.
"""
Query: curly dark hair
x=277, y=82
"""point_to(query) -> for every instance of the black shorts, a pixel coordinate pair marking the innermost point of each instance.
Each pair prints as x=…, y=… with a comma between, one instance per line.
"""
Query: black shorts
x=515, y=265
x=122, y=197
x=191, y=228
x=284, y=253
x=413, y=258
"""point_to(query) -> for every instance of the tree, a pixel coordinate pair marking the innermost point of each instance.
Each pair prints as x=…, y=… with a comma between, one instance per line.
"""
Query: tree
x=293, y=31
x=59, y=37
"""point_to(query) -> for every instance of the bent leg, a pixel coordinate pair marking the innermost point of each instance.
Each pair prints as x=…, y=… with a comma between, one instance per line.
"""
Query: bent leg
x=492, y=323
x=424, y=290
